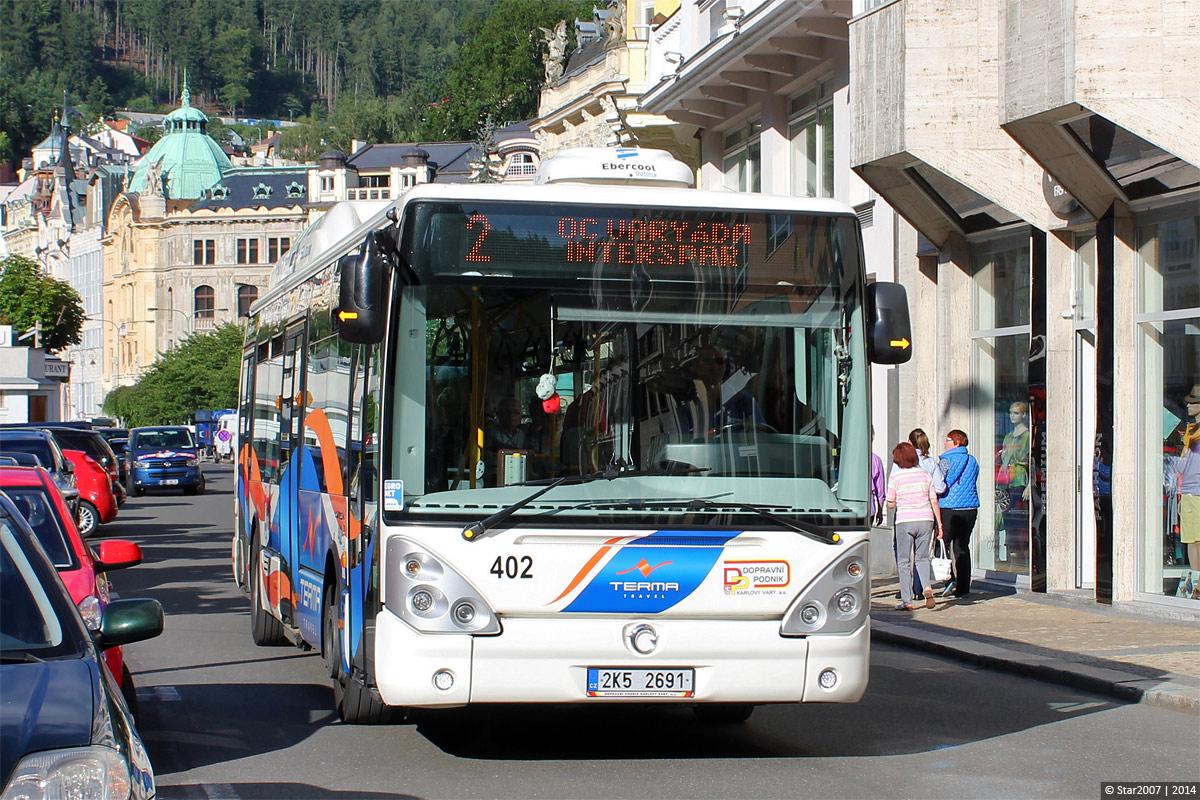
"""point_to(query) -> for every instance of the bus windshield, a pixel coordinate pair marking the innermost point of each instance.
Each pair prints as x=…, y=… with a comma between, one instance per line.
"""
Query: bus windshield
x=690, y=353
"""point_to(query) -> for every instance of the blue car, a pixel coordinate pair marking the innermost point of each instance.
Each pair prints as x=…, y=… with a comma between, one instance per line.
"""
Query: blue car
x=65, y=729
x=162, y=457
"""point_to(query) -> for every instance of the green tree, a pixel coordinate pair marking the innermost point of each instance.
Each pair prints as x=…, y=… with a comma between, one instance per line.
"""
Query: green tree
x=499, y=70
x=99, y=103
x=201, y=373
x=28, y=297
x=119, y=403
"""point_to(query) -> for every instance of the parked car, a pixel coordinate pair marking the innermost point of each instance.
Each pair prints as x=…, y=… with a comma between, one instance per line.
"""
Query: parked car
x=90, y=442
x=65, y=726
x=38, y=500
x=117, y=439
x=20, y=459
x=163, y=457
x=97, y=501
x=42, y=444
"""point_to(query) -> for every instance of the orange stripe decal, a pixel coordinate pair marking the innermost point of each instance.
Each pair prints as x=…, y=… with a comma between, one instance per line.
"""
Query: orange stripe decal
x=318, y=423
x=595, y=559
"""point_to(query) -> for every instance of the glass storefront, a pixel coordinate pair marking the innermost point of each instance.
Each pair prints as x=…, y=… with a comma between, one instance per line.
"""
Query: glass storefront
x=1000, y=425
x=1169, y=419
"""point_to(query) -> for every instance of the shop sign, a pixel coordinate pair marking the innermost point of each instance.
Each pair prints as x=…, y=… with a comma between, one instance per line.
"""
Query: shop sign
x=57, y=370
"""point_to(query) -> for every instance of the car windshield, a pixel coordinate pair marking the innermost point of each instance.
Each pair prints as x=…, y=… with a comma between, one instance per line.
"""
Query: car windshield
x=38, y=510
x=741, y=378
x=159, y=440
x=30, y=623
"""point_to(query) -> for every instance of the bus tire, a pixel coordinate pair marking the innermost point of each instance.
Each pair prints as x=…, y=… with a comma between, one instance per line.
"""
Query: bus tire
x=357, y=705
x=331, y=640
x=265, y=630
x=723, y=713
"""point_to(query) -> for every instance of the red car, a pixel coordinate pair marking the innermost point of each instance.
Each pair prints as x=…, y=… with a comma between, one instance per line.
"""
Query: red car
x=35, y=495
x=97, y=502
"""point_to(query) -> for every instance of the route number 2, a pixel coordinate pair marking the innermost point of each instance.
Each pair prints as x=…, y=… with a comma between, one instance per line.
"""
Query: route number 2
x=512, y=567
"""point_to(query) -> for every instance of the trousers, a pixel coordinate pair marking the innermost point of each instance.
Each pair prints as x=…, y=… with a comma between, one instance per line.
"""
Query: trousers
x=957, y=524
x=912, y=542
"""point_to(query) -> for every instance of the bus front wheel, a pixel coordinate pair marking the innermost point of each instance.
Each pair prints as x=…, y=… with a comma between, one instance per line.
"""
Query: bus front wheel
x=355, y=703
x=265, y=630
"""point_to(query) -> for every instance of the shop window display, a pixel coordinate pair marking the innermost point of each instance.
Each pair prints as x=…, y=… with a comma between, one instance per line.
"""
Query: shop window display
x=1000, y=433
x=1169, y=356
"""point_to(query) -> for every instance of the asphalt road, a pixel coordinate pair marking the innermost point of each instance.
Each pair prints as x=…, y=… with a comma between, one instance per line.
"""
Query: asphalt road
x=225, y=719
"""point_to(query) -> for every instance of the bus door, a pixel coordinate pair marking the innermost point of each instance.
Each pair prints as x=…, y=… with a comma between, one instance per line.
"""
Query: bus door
x=291, y=416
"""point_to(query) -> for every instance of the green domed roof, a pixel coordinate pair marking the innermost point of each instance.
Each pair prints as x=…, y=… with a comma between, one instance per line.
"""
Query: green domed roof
x=188, y=158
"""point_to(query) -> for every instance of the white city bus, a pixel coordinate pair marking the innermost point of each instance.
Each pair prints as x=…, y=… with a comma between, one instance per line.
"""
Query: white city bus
x=600, y=439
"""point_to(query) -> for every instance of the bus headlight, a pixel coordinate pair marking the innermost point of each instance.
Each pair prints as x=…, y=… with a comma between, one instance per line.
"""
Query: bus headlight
x=836, y=601
x=431, y=596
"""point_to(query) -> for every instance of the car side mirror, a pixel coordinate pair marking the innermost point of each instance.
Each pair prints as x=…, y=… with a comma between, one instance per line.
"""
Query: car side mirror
x=128, y=621
x=68, y=468
x=118, y=554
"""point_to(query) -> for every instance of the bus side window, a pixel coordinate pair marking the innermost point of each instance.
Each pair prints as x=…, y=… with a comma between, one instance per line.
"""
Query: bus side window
x=268, y=383
x=329, y=393
x=363, y=458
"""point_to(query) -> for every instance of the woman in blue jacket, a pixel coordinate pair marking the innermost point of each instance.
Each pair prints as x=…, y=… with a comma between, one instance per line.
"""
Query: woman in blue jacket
x=960, y=506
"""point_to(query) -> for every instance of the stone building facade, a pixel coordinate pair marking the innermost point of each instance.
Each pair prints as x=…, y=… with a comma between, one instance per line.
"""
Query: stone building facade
x=1046, y=160
x=1025, y=169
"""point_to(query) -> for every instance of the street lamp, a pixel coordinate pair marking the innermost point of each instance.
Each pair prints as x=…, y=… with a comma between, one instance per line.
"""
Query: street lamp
x=187, y=325
x=116, y=359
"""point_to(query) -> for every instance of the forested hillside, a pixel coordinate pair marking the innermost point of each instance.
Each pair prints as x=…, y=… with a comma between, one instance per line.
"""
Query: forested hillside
x=387, y=70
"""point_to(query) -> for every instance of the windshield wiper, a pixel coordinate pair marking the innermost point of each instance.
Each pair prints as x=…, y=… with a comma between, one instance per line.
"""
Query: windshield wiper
x=815, y=532
x=476, y=530
x=22, y=658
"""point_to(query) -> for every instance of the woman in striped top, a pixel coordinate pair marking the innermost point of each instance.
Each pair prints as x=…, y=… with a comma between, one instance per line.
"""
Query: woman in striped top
x=911, y=492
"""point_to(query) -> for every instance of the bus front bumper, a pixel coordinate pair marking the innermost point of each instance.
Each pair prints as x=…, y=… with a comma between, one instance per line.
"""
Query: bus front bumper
x=547, y=660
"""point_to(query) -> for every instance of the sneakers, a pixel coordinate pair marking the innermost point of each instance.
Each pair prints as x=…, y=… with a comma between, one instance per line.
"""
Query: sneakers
x=949, y=590
x=904, y=607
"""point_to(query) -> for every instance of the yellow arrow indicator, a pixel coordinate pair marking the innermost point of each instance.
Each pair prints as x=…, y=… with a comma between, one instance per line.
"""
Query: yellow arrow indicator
x=901, y=343
x=345, y=315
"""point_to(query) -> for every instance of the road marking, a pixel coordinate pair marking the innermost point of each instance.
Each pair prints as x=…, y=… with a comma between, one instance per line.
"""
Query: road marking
x=1071, y=708
x=219, y=791
x=168, y=694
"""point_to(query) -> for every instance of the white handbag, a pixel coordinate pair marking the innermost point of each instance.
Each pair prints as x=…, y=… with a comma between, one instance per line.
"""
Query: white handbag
x=939, y=560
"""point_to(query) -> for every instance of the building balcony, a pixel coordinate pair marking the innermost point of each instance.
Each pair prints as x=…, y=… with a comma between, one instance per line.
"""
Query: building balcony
x=1103, y=94
x=925, y=119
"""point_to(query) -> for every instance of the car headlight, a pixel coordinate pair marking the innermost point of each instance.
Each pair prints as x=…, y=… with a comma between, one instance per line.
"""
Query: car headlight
x=430, y=596
x=191, y=462
x=97, y=773
x=90, y=610
x=141, y=464
x=836, y=601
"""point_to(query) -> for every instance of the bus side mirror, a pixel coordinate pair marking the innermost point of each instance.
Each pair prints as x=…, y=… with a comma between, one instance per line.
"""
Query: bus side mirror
x=889, y=331
x=362, y=293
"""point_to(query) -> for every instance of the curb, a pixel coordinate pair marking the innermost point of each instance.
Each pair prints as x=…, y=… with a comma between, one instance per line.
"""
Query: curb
x=1170, y=692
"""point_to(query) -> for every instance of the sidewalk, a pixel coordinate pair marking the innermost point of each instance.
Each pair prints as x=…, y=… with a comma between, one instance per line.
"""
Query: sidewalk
x=1121, y=653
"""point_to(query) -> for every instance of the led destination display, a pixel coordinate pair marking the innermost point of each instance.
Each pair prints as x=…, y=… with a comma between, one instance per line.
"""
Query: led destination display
x=492, y=238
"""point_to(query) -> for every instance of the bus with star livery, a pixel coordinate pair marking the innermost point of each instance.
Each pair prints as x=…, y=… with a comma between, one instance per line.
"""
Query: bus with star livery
x=599, y=439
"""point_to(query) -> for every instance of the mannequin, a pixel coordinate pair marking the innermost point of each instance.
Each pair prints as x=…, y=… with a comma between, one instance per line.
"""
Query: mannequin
x=1185, y=439
x=1012, y=474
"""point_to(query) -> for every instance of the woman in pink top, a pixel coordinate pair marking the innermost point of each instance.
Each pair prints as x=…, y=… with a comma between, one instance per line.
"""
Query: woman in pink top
x=910, y=491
